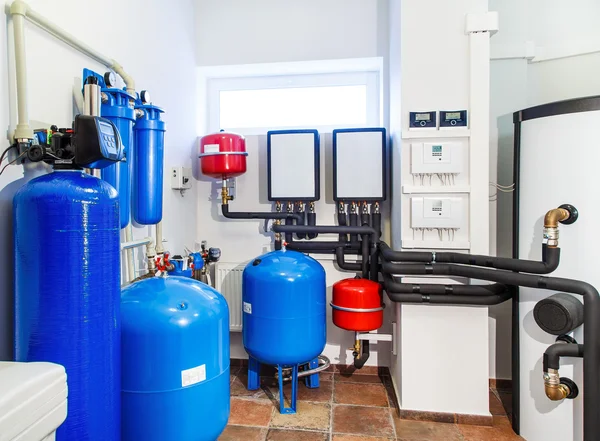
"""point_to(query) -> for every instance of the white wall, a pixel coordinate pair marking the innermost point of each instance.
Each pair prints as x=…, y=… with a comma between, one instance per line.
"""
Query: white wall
x=52, y=70
x=553, y=28
x=265, y=31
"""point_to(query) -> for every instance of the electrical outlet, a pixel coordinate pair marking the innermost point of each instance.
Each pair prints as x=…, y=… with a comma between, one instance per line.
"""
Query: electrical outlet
x=181, y=178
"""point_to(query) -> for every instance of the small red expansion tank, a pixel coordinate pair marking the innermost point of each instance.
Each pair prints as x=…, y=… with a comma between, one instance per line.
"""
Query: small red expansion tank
x=357, y=305
x=223, y=155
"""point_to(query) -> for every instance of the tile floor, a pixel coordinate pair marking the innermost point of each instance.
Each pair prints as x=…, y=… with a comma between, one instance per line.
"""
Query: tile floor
x=346, y=407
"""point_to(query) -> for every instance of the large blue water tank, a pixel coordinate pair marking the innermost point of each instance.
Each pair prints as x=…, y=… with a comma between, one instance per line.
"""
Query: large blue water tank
x=67, y=294
x=284, y=308
x=175, y=346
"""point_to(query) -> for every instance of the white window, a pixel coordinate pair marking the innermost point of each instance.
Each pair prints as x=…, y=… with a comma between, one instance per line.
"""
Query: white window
x=293, y=95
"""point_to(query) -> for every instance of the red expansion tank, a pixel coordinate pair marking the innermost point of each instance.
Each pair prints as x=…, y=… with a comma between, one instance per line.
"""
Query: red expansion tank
x=223, y=155
x=357, y=305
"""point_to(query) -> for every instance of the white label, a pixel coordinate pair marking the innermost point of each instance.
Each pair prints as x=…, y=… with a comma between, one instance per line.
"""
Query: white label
x=193, y=375
x=211, y=148
x=248, y=308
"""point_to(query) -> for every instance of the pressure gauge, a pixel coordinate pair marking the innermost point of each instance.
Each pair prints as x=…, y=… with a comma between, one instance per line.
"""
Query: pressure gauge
x=423, y=120
x=110, y=79
x=145, y=96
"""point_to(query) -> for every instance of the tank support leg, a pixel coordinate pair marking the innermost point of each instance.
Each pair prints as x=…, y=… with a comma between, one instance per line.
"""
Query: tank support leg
x=292, y=408
x=312, y=381
x=253, y=374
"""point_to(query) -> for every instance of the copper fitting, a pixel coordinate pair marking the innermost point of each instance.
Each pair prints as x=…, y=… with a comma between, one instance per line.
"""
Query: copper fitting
x=356, y=349
x=555, y=390
x=553, y=217
x=225, y=198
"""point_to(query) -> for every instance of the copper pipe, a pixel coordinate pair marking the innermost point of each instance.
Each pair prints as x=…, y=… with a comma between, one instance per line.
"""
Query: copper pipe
x=553, y=217
x=555, y=390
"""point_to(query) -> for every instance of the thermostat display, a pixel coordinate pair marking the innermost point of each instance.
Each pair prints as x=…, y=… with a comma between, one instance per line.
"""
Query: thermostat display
x=423, y=120
x=457, y=118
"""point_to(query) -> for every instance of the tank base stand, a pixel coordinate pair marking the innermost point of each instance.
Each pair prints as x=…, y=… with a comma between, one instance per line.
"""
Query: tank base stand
x=312, y=381
x=292, y=409
x=253, y=374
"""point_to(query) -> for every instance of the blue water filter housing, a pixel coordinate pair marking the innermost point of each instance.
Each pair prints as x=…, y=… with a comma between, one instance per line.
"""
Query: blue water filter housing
x=175, y=349
x=67, y=294
x=119, y=109
x=284, y=313
x=149, y=140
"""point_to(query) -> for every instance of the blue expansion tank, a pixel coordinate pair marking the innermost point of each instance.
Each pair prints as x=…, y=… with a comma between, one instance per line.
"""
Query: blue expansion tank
x=175, y=352
x=283, y=294
x=120, y=111
x=67, y=294
x=148, y=151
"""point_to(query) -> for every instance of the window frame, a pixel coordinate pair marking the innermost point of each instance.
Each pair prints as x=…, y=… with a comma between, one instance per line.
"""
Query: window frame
x=214, y=80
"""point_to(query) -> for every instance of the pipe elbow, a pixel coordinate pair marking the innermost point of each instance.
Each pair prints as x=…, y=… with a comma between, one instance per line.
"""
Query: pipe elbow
x=553, y=217
x=19, y=7
x=128, y=79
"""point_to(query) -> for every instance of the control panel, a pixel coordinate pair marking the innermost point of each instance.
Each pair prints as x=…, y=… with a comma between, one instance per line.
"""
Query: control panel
x=96, y=141
x=437, y=157
x=423, y=120
x=453, y=118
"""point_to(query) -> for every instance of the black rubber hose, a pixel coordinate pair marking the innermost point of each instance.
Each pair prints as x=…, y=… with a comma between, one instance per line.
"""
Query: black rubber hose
x=550, y=259
x=312, y=221
x=365, y=256
x=591, y=328
x=258, y=215
x=353, y=223
x=346, y=266
x=360, y=362
x=377, y=223
x=301, y=236
x=556, y=351
x=342, y=222
x=374, y=264
x=289, y=237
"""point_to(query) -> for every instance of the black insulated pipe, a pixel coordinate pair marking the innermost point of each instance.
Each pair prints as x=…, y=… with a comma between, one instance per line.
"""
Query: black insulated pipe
x=556, y=351
x=302, y=213
x=376, y=223
x=346, y=266
x=360, y=362
x=329, y=247
x=289, y=237
x=591, y=328
x=325, y=229
x=353, y=223
x=258, y=215
x=550, y=259
x=312, y=221
x=365, y=256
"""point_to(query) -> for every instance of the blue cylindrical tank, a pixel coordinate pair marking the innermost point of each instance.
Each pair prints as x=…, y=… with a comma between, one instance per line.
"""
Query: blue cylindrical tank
x=175, y=349
x=283, y=295
x=149, y=143
x=67, y=294
x=119, y=110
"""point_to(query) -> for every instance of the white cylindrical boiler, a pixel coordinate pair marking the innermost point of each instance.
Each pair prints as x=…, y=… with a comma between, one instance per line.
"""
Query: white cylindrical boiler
x=557, y=154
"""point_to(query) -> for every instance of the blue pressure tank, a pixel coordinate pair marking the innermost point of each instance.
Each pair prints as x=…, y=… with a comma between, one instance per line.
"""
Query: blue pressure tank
x=283, y=294
x=175, y=352
x=67, y=294
x=119, y=109
x=149, y=143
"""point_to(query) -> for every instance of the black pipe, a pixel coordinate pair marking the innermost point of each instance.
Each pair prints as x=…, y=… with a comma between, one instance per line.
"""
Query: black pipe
x=365, y=256
x=591, y=329
x=330, y=247
x=376, y=223
x=557, y=350
x=325, y=229
x=258, y=215
x=289, y=237
x=278, y=245
x=374, y=263
x=342, y=221
x=346, y=266
x=550, y=259
x=360, y=362
x=303, y=214
x=312, y=221
x=353, y=223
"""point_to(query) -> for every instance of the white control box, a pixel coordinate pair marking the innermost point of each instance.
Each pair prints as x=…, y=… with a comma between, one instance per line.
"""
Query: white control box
x=436, y=212
x=181, y=178
x=436, y=157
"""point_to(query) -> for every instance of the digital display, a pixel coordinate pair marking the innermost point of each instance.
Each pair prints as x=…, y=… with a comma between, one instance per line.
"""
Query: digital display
x=452, y=115
x=436, y=149
x=107, y=129
x=422, y=117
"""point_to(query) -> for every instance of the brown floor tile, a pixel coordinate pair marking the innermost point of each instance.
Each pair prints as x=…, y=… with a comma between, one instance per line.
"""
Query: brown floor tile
x=296, y=435
x=322, y=394
x=425, y=431
x=250, y=412
x=359, y=438
x=437, y=417
x=326, y=376
x=501, y=431
x=359, y=420
x=391, y=393
x=350, y=369
x=238, y=433
x=496, y=407
x=314, y=416
x=358, y=378
x=238, y=362
x=360, y=394
x=239, y=388
x=475, y=420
